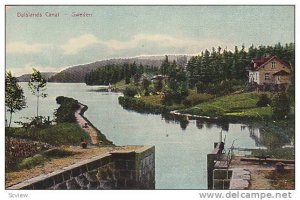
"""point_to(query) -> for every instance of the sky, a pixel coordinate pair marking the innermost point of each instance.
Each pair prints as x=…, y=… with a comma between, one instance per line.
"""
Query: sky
x=51, y=44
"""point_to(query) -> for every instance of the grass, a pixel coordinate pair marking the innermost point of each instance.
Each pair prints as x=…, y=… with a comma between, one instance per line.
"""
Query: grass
x=39, y=159
x=235, y=105
x=282, y=181
x=31, y=162
x=151, y=99
x=120, y=85
x=59, y=134
x=278, y=153
x=195, y=98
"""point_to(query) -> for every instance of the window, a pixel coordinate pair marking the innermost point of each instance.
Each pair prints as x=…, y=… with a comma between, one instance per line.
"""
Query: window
x=267, y=76
x=273, y=65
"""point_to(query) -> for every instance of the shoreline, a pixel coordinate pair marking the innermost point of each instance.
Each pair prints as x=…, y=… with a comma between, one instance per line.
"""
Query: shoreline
x=96, y=136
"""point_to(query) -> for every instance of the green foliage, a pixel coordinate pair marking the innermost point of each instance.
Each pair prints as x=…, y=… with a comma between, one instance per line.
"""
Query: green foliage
x=263, y=101
x=145, y=86
x=219, y=88
x=66, y=110
x=14, y=95
x=280, y=106
x=111, y=74
x=147, y=104
x=218, y=65
x=240, y=105
x=37, y=84
x=59, y=134
x=130, y=91
x=196, y=98
x=38, y=159
x=278, y=153
x=31, y=162
x=158, y=86
x=175, y=89
x=167, y=97
x=36, y=122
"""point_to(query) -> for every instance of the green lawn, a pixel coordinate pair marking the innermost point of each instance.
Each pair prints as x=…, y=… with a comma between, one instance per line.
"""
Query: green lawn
x=236, y=105
x=59, y=134
x=153, y=99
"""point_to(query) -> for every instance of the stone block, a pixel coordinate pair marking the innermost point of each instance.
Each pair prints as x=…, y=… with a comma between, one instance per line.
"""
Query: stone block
x=82, y=181
x=58, y=178
x=121, y=164
x=131, y=165
x=76, y=171
x=83, y=169
x=91, y=177
x=66, y=175
x=94, y=164
x=93, y=185
x=127, y=174
x=105, y=160
x=123, y=156
x=60, y=186
x=121, y=183
x=131, y=184
x=72, y=184
x=43, y=184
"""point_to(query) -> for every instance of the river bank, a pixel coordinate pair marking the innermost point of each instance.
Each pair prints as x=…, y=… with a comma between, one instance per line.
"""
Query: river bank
x=237, y=108
x=126, y=127
x=97, y=138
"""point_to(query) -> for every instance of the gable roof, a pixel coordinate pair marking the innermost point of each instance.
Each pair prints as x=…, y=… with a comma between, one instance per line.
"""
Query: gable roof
x=256, y=64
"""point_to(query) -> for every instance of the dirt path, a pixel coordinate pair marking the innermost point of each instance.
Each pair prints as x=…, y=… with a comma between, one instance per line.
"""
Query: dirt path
x=259, y=180
x=85, y=126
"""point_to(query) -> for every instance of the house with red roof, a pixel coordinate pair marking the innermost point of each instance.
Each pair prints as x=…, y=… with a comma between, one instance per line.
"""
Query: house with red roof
x=270, y=71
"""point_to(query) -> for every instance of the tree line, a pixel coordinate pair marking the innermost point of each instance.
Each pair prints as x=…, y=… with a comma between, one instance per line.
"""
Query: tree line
x=111, y=74
x=222, y=64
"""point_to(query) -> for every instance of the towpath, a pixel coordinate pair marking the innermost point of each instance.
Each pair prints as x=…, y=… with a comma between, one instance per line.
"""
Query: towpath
x=85, y=125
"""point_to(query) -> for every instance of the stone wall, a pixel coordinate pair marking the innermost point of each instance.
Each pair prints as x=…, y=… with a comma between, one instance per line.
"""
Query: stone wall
x=115, y=170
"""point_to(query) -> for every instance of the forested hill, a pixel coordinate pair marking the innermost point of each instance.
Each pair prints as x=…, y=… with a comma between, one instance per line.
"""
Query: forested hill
x=76, y=74
x=26, y=77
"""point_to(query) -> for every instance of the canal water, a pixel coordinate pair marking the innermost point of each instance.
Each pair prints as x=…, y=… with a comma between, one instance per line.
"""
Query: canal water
x=180, y=152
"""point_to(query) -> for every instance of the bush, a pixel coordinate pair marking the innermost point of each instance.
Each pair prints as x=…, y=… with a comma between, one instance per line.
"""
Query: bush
x=130, y=91
x=59, y=134
x=30, y=162
x=66, y=110
x=280, y=106
x=195, y=98
x=263, y=101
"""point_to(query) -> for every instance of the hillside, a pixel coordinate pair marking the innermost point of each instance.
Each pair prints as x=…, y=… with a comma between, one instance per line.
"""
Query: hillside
x=75, y=74
x=26, y=77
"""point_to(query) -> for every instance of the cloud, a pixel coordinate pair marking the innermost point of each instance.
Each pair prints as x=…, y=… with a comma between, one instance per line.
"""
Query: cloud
x=139, y=39
x=24, y=48
x=74, y=45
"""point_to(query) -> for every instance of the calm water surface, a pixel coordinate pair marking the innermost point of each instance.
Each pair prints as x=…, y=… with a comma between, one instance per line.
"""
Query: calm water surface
x=180, y=154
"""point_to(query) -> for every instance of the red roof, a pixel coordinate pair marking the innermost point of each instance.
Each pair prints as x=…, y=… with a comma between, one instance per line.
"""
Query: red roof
x=256, y=64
